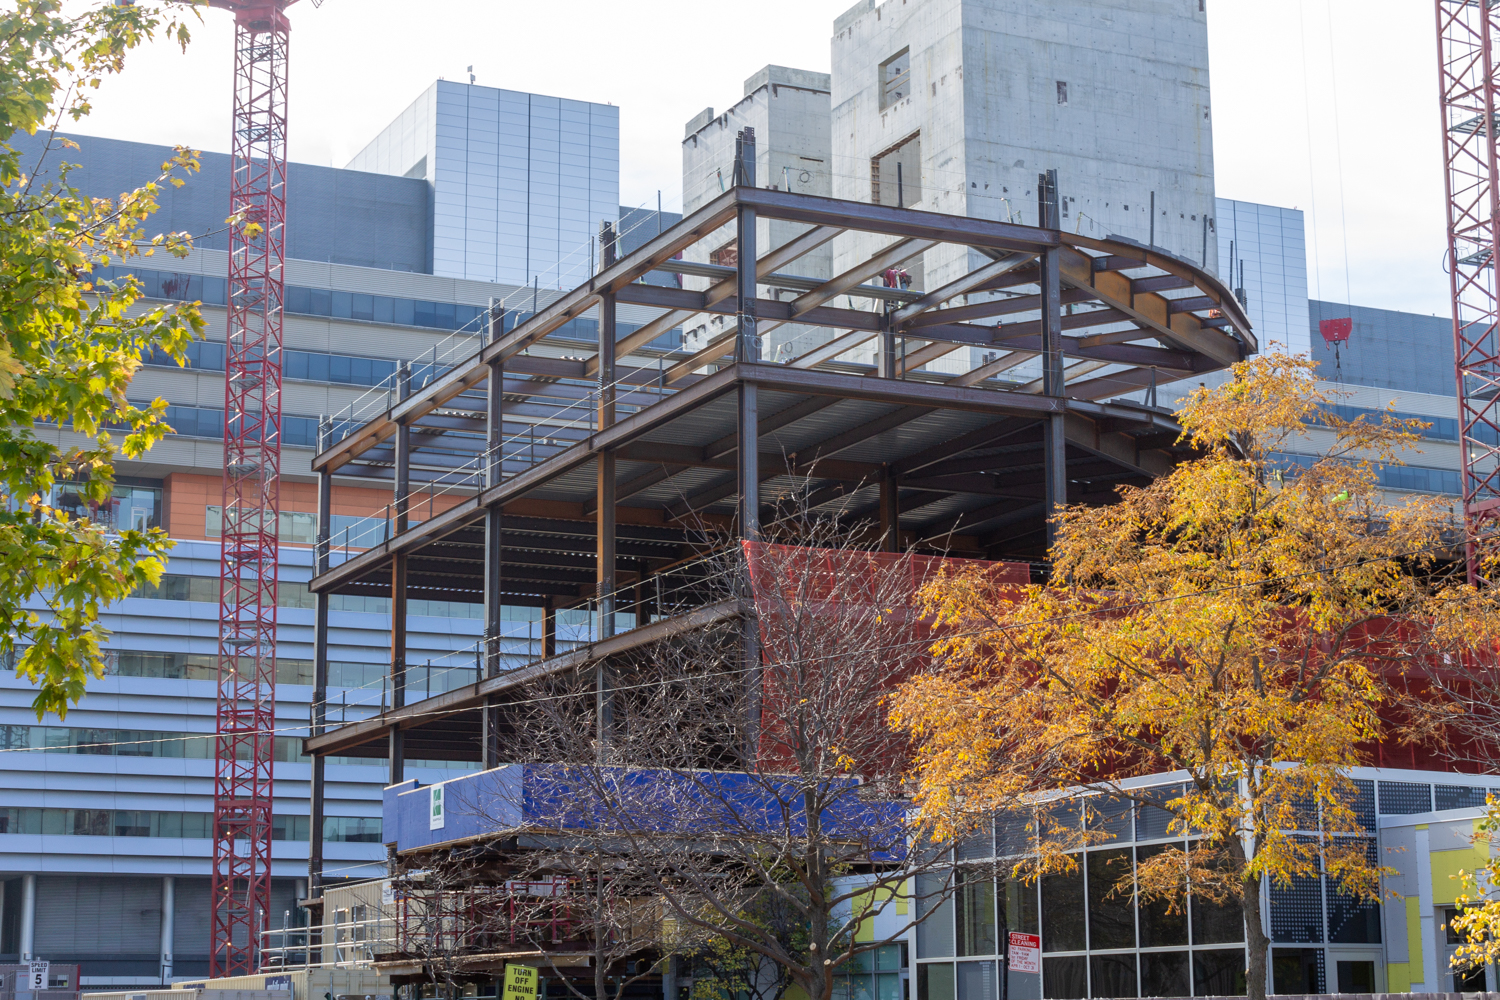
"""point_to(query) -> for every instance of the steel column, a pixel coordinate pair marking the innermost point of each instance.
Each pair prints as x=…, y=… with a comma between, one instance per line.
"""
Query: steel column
x=396, y=754
x=747, y=345
x=240, y=896
x=604, y=516
x=747, y=434
x=890, y=509
x=886, y=358
x=748, y=444
x=401, y=490
x=27, y=942
x=1055, y=442
x=396, y=750
x=494, y=553
x=320, y=691
x=1467, y=33
x=168, y=925
x=549, y=630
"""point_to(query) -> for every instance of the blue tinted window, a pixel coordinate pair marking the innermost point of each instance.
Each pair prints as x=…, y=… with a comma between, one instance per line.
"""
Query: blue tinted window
x=298, y=300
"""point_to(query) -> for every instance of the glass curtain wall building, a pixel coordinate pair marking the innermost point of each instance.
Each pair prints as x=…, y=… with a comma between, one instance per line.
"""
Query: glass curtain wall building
x=1100, y=942
x=520, y=182
x=1263, y=251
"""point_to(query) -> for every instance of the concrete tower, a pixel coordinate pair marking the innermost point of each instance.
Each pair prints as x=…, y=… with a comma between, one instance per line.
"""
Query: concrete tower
x=965, y=106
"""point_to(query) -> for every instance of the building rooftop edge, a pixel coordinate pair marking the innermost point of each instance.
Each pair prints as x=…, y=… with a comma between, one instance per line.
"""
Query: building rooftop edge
x=788, y=76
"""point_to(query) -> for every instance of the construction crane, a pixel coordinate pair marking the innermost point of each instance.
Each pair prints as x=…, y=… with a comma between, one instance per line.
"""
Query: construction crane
x=1467, y=34
x=246, y=713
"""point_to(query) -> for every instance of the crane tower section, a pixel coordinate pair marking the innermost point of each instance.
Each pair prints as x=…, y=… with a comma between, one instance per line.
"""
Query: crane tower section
x=1468, y=31
x=246, y=717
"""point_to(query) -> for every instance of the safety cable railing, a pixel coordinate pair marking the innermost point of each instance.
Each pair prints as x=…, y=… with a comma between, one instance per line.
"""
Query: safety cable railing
x=510, y=457
x=695, y=583
x=344, y=944
x=459, y=345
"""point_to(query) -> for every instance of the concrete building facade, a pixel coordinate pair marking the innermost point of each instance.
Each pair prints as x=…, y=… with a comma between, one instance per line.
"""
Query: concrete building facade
x=965, y=106
x=787, y=109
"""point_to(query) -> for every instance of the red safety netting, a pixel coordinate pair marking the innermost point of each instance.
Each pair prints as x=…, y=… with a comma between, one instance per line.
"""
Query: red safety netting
x=838, y=631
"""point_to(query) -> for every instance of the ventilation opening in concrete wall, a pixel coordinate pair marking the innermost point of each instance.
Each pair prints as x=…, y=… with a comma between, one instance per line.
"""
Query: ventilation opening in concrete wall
x=895, y=78
x=896, y=174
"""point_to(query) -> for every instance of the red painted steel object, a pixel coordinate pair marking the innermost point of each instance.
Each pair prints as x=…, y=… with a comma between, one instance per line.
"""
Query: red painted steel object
x=241, y=893
x=1467, y=33
x=1336, y=331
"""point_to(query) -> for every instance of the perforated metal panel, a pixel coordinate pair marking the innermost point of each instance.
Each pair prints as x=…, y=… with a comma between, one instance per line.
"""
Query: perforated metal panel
x=1297, y=911
x=1402, y=798
x=1459, y=796
x=1364, y=804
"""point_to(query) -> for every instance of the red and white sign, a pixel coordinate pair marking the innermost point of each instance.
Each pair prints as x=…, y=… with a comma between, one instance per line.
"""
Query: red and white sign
x=1025, y=952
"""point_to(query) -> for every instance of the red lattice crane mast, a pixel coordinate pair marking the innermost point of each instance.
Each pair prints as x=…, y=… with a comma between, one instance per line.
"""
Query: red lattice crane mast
x=246, y=716
x=1467, y=34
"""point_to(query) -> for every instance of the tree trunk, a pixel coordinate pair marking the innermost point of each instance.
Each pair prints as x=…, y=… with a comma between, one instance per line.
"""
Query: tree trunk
x=1256, y=942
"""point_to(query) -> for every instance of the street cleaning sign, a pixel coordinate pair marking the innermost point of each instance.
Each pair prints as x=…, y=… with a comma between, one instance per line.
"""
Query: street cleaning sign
x=1025, y=952
x=520, y=983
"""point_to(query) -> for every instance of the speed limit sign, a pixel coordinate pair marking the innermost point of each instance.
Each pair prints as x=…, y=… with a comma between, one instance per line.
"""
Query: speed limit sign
x=36, y=973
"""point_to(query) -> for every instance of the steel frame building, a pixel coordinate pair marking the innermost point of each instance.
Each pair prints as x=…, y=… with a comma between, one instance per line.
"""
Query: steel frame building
x=589, y=471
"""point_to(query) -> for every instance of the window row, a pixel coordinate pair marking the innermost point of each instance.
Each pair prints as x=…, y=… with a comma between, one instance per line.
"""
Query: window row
x=1093, y=907
x=208, y=421
x=295, y=527
x=1395, y=477
x=1214, y=972
x=184, y=746
x=214, y=291
x=1442, y=429
x=342, y=676
x=290, y=594
x=188, y=825
x=1111, y=819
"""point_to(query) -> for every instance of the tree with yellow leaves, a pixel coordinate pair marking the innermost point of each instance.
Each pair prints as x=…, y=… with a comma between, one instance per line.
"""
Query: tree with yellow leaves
x=1234, y=624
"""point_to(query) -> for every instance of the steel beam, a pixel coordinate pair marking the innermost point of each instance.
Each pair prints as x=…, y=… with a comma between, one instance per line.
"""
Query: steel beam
x=892, y=255
x=961, y=286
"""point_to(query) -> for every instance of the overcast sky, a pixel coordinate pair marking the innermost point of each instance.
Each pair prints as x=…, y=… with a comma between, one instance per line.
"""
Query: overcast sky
x=1355, y=77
